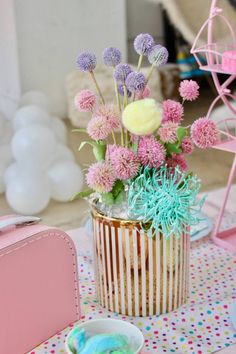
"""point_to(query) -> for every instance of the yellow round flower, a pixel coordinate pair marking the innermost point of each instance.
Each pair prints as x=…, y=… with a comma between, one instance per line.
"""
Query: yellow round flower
x=142, y=117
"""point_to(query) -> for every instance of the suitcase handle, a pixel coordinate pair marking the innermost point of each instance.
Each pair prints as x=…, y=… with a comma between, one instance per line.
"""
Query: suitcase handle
x=18, y=221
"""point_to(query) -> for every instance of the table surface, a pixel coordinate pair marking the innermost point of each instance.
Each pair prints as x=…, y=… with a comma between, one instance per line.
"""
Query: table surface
x=214, y=312
x=213, y=289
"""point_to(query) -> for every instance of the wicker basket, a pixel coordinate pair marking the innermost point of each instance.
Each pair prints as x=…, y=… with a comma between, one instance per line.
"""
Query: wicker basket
x=137, y=275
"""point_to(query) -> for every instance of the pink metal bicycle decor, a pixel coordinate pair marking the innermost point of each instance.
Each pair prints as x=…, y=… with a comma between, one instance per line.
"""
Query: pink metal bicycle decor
x=221, y=59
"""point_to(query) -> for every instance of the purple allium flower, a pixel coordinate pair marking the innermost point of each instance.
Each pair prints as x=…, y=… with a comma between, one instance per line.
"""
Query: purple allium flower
x=135, y=81
x=86, y=61
x=177, y=160
x=112, y=56
x=98, y=128
x=187, y=145
x=150, y=152
x=158, y=55
x=189, y=90
x=204, y=133
x=100, y=177
x=172, y=111
x=121, y=91
x=124, y=162
x=121, y=72
x=143, y=43
x=168, y=132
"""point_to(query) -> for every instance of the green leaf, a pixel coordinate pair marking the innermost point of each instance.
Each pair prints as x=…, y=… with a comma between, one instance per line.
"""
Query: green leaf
x=107, y=198
x=116, y=195
x=134, y=147
x=181, y=133
x=118, y=192
x=99, y=151
x=120, y=197
x=83, y=194
x=117, y=188
x=84, y=143
x=173, y=148
x=79, y=130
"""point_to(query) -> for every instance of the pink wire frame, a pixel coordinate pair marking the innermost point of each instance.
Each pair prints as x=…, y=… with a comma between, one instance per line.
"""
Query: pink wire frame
x=214, y=57
x=229, y=132
x=227, y=142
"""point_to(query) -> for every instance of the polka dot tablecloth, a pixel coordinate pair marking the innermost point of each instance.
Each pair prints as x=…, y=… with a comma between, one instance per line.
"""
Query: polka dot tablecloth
x=202, y=326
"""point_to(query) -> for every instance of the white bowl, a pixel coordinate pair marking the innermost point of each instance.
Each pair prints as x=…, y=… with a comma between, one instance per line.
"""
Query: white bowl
x=108, y=325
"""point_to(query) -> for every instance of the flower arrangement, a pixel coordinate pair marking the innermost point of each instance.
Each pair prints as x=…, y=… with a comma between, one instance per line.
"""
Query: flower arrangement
x=143, y=166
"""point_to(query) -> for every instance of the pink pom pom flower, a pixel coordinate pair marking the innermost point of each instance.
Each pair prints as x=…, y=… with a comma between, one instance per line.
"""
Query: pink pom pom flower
x=187, y=145
x=177, y=160
x=124, y=162
x=105, y=120
x=111, y=114
x=85, y=101
x=139, y=95
x=189, y=90
x=167, y=132
x=204, y=133
x=109, y=150
x=150, y=152
x=172, y=111
x=100, y=177
x=98, y=128
x=134, y=138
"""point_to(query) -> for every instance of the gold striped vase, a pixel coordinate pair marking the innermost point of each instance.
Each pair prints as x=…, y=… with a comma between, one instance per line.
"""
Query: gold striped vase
x=137, y=275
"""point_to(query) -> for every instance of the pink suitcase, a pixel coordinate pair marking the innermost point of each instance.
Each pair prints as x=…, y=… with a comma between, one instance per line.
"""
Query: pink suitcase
x=39, y=293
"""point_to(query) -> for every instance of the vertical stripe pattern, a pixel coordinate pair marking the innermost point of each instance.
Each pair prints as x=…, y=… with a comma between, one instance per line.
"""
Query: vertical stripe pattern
x=136, y=275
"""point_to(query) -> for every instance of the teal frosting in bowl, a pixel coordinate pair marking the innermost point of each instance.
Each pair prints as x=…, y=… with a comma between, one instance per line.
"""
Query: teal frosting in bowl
x=80, y=342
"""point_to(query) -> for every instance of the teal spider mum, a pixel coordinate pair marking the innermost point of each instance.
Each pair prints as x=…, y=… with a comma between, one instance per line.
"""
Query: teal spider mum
x=165, y=200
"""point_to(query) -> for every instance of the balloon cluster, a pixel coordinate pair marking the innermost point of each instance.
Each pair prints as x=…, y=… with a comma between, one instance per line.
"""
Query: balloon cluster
x=35, y=163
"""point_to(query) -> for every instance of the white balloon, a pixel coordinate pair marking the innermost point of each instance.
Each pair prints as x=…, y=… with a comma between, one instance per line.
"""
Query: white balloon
x=66, y=180
x=28, y=193
x=59, y=129
x=36, y=98
x=63, y=153
x=34, y=146
x=11, y=173
x=31, y=115
x=2, y=182
x=5, y=155
x=2, y=124
x=7, y=133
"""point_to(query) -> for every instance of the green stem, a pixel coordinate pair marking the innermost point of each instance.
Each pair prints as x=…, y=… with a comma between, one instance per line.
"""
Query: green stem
x=97, y=87
x=122, y=136
x=117, y=97
x=140, y=62
x=148, y=77
x=117, y=94
x=113, y=137
x=125, y=96
x=127, y=138
x=149, y=74
x=119, y=107
x=125, y=104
